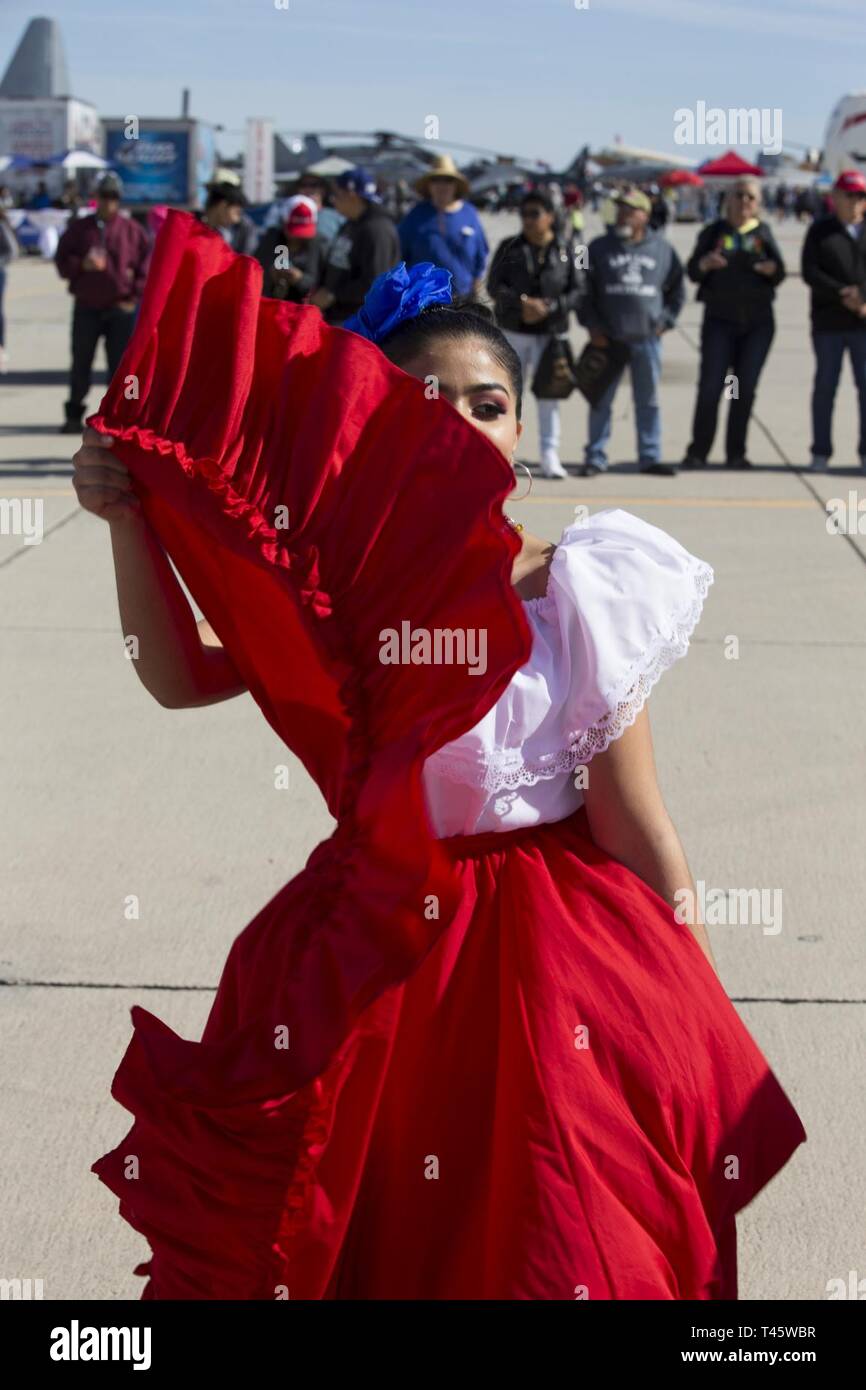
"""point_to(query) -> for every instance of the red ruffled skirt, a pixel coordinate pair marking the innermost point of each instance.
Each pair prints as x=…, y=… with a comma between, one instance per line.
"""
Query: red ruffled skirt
x=572, y=1107
x=536, y=1089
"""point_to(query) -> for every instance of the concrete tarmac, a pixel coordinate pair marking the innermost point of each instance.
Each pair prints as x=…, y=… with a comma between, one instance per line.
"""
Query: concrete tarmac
x=761, y=758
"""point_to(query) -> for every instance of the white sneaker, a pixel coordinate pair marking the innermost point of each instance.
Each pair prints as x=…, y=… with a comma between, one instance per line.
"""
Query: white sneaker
x=551, y=466
x=818, y=465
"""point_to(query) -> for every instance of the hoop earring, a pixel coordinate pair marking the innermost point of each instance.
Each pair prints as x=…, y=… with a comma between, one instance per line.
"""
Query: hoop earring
x=529, y=476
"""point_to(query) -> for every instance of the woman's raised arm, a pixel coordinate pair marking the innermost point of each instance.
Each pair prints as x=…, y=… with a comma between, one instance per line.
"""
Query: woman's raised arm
x=180, y=661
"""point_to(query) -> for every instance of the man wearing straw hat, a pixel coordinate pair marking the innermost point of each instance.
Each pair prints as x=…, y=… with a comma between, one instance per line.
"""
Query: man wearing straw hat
x=442, y=228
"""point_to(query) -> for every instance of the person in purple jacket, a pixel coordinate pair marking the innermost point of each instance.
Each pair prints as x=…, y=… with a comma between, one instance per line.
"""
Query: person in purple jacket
x=105, y=258
x=444, y=229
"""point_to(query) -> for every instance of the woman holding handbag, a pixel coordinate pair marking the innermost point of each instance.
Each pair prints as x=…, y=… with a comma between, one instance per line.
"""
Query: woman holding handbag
x=535, y=281
x=738, y=267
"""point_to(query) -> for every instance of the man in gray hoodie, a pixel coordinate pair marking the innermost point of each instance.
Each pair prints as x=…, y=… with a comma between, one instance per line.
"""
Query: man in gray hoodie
x=635, y=291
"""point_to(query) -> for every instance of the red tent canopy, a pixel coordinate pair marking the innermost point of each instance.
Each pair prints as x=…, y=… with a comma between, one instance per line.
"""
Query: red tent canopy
x=730, y=165
x=679, y=178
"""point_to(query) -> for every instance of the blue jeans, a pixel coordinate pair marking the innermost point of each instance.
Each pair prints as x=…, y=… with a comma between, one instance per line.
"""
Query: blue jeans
x=830, y=348
x=646, y=369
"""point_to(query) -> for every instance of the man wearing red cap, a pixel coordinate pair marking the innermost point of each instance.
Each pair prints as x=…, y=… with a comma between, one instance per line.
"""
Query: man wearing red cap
x=291, y=254
x=834, y=267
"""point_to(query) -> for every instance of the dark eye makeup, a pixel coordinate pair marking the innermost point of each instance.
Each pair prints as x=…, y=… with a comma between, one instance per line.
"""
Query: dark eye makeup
x=496, y=403
x=489, y=410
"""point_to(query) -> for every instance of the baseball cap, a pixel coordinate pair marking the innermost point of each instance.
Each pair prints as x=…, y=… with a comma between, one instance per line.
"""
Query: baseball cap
x=300, y=216
x=634, y=199
x=850, y=181
x=110, y=186
x=359, y=180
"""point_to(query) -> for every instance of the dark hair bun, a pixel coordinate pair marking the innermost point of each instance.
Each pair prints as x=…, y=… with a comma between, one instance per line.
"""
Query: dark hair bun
x=463, y=319
x=474, y=306
x=463, y=304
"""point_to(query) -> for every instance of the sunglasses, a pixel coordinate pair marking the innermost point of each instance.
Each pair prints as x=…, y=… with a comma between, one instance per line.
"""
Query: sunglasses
x=532, y=212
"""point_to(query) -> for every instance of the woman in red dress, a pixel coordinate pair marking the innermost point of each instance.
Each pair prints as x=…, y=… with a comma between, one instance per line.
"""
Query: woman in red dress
x=470, y=1051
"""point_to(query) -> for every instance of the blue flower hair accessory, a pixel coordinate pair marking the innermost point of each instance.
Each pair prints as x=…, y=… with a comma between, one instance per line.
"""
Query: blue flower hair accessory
x=397, y=295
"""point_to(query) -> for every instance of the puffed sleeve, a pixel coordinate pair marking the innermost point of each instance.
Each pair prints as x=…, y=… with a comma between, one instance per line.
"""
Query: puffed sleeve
x=625, y=598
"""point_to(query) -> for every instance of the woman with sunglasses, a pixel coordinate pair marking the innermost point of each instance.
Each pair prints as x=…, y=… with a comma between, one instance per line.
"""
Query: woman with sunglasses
x=738, y=266
x=534, y=282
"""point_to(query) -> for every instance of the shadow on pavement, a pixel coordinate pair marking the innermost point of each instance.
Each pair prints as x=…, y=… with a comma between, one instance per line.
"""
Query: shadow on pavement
x=622, y=469
x=37, y=468
x=9, y=431
x=46, y=378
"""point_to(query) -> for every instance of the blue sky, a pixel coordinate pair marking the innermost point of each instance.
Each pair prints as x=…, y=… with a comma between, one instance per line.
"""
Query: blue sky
x=532, y=77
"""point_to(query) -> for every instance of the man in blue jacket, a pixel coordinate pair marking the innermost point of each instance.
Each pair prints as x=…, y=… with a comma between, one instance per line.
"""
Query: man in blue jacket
x=442, y=228
x=635, y=291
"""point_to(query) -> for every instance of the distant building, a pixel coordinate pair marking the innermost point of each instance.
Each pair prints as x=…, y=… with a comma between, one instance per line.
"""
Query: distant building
x=38, y=65
x=38, y=116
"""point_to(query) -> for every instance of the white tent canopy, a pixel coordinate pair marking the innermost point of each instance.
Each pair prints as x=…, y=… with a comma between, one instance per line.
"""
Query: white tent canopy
x=79, y=159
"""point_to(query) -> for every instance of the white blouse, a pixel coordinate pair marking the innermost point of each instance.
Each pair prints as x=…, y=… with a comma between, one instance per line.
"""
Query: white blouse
x=622, y=601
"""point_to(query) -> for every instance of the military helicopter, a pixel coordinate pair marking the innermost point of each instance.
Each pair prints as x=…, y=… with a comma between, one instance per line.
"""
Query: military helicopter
x=392, y=157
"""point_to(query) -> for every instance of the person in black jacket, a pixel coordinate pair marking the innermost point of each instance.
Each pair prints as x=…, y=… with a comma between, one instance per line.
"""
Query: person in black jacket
x=661, y=213
x=535, y=281
x=366, y=245
x=224, y=213
x=834, y=268
x=738, y=266
x=291, y=254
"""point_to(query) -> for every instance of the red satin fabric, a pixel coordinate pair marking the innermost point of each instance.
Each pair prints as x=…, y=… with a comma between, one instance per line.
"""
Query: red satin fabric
x=263, y=1169
x=506, y=1161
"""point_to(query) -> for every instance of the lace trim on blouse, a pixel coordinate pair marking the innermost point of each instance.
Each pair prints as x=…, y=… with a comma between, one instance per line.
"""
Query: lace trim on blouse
x=508, y=768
